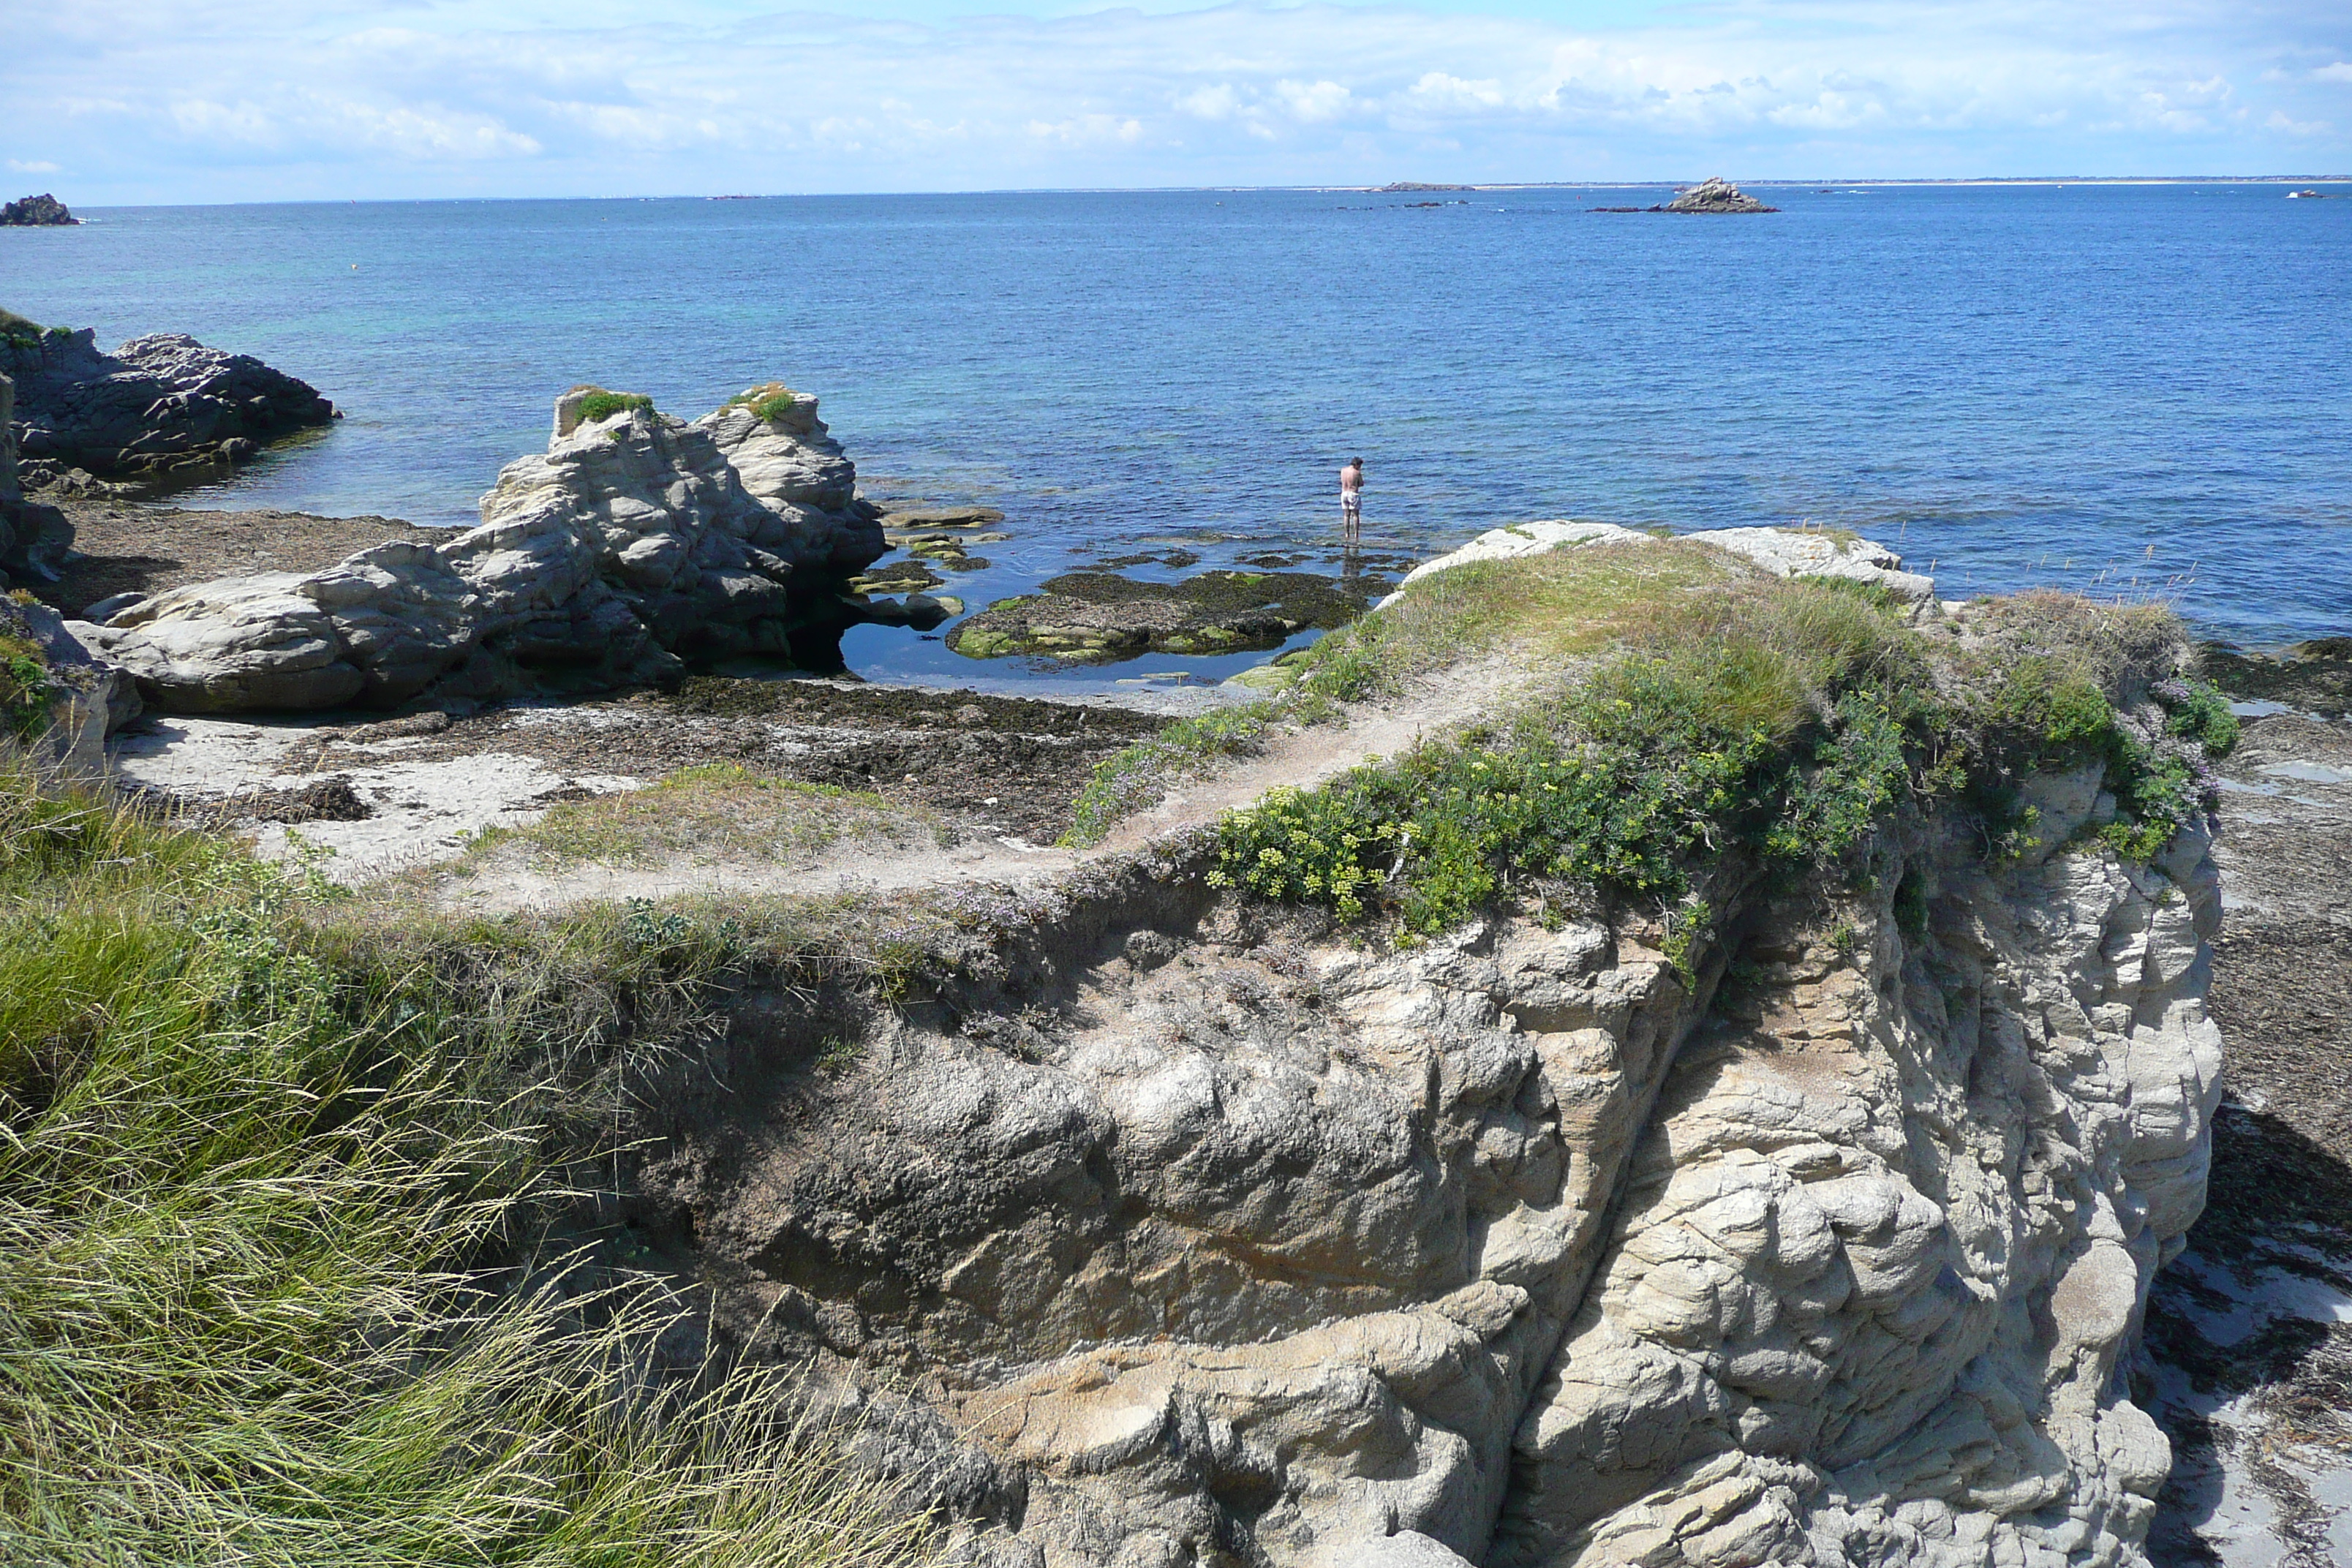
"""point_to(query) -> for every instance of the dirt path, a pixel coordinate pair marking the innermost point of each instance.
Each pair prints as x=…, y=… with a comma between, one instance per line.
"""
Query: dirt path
x=1433, y=706
x=989, y=779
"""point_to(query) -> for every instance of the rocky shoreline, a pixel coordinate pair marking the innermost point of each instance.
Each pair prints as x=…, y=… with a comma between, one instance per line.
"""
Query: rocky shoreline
x=1838, y=1224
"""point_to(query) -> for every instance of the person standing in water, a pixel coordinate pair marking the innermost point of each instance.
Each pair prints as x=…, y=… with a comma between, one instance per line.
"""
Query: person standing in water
x=1351, y=501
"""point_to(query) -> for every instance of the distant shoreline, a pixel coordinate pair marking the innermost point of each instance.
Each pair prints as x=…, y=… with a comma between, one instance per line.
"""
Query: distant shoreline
x=1391, y=188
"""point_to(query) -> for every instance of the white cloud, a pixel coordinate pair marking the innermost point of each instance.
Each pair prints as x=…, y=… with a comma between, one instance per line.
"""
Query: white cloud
x=32, y=166
x=1312, y=102
x=224, y=99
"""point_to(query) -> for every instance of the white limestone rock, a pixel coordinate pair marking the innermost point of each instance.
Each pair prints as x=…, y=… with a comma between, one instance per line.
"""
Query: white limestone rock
x=1525, y=539
x=1802, y=552
x=632, y=540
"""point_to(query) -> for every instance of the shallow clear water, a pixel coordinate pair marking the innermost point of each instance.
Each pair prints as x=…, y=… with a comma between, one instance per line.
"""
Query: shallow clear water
x=2086, y=385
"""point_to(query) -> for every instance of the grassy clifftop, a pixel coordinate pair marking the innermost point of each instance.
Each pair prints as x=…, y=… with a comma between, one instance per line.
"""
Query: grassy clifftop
x=1678, y=706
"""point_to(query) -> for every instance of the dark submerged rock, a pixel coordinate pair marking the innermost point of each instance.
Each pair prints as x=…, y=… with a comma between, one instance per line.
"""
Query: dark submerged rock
x=1096, y=617
x=2313, y=677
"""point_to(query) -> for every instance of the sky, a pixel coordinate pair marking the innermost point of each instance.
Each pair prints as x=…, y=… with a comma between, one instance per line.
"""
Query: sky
x=129, y=101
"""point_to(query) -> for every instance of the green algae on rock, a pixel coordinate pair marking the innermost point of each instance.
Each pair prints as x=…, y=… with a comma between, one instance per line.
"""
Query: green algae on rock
x=1097, y=617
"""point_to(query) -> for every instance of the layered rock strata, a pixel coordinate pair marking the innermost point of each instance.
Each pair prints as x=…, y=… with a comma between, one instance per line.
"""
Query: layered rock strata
x=156, y=407
x=1188, y=1231
x=635, y=541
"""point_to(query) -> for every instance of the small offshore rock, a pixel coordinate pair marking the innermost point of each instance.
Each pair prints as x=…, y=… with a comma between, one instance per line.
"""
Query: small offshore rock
x=916, y=518
x=44, y=211
x=1714, y=195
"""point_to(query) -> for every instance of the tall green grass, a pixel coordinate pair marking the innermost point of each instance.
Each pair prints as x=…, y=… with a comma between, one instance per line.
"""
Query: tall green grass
x=274, y=1286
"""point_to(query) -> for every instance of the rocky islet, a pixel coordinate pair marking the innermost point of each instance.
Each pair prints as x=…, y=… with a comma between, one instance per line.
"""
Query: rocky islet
x=1712, y=195
x=44, y=211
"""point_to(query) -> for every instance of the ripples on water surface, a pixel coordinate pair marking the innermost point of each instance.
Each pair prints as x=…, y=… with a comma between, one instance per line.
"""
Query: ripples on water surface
x=2020, y=385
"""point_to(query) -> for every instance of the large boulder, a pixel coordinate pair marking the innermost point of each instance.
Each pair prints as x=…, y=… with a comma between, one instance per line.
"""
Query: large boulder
x=633, y=540
x=155, y=405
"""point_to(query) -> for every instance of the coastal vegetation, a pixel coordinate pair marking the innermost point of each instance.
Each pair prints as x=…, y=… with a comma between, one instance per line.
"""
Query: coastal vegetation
x=705, y=813
x=602, y=404
x=299, y=1259
x=1692, y=709
x=770, y=402
x=314, y=1245
x=27, y=694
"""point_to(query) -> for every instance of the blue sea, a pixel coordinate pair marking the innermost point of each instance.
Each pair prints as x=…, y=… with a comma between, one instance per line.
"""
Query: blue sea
x=2137, y=389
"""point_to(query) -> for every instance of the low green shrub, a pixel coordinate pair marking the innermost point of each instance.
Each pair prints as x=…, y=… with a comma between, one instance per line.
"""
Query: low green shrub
x=770, y=402
x=1131, y=778
x=601, y=405
x=1660, y=759
x=27, y=694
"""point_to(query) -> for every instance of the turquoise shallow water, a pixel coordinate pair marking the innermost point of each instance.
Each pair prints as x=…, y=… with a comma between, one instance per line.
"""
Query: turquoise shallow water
x=2086, y=386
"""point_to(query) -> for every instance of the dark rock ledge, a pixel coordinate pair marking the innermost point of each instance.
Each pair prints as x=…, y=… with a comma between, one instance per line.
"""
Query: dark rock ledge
x=159, y=407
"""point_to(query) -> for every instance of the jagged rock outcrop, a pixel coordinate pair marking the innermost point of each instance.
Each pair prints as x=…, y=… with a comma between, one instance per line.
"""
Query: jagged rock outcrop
x=44, y=211
x=1189, y=1231
x=156, y=406
x=636, y=539
x=1714, y=195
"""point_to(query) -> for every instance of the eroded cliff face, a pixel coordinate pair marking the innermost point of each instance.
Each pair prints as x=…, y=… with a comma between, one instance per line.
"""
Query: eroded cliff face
x=1187, y=1232
x=1888, y=1237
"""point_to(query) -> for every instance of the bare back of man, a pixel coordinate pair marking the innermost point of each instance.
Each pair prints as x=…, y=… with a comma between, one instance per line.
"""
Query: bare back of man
x=1352, y=500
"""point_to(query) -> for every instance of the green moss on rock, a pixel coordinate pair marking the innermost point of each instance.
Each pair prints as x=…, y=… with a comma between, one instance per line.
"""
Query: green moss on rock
x=1100, y=617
